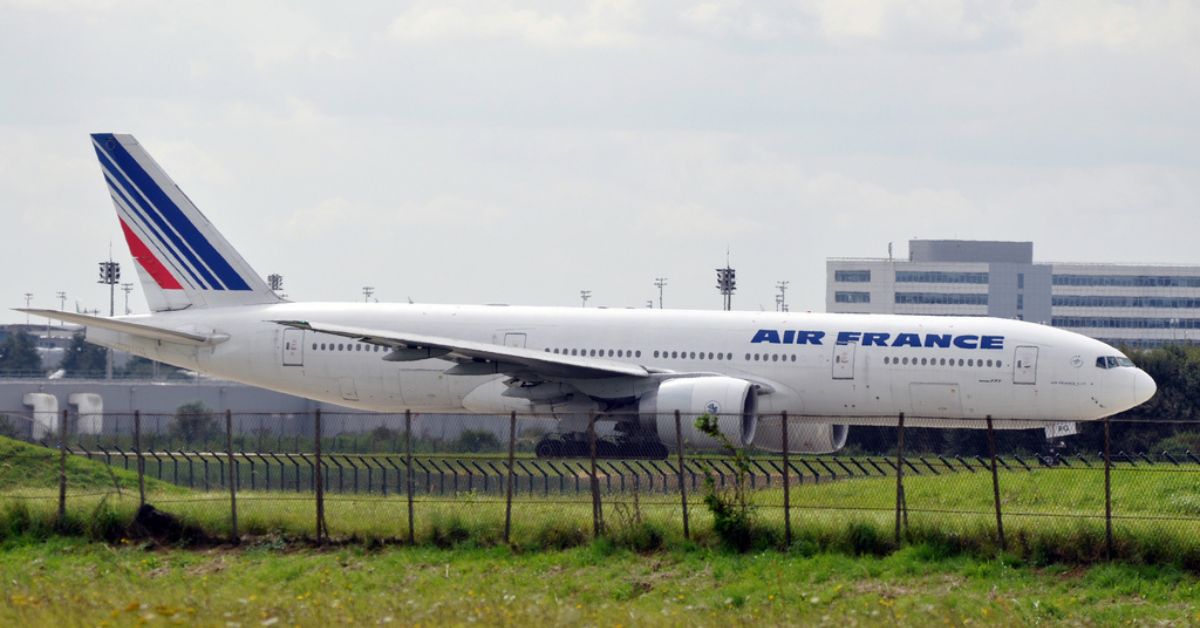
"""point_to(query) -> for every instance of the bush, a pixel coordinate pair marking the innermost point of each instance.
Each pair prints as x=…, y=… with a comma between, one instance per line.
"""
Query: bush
x=194, y=422
x=559, y=536
x=447, y=532
x=731, y=509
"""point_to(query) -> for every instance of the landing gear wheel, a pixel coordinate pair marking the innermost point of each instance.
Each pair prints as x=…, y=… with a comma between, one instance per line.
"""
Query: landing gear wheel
x=549, y=448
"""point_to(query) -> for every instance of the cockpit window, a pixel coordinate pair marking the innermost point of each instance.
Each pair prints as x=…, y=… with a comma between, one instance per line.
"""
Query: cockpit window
x=1113, y=361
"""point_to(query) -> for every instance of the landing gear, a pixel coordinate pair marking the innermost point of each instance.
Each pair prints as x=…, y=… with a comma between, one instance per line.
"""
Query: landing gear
x=629, y=442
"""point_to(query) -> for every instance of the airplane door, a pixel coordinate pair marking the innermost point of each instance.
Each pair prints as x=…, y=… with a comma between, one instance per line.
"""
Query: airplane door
x=843, y=361
x=514, y=340
x=293, y=347
x=1025, y=365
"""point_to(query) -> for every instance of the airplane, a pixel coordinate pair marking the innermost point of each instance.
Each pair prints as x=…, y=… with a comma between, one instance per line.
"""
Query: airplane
x=633, y=368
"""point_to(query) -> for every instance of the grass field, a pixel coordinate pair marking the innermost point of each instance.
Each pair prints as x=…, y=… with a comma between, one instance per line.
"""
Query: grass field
x=1051, y=515
x=73, y=582
x=843, y=567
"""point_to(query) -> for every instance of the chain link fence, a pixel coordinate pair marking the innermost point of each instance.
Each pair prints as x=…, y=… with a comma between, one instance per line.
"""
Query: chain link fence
x=448, y=479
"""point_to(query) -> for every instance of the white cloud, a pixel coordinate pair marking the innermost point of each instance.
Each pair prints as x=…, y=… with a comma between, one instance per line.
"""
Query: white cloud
x=600, y=24
x=689, y=219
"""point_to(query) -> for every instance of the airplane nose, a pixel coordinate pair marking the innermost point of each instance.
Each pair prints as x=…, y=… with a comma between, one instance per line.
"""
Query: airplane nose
x=1143, y=387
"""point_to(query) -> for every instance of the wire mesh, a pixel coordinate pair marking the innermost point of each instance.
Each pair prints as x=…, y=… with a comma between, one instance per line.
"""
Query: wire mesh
x=459, y=480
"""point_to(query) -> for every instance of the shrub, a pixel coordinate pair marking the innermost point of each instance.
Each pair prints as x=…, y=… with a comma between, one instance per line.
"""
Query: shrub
x=447, y=532
x=559, y=536
x=731, y=509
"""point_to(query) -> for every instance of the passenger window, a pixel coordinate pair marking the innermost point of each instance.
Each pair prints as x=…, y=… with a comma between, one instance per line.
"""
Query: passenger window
x=922, y=361
x=971, y=362
x=989, y=362
x=747, y=357
x=885, y=359
x=638, y=354
x=960, y=361
x=775, y=357
x=793, y=357
x=905, y=361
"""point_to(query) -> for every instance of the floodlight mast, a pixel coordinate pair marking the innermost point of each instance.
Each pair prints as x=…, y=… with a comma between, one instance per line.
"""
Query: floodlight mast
x=726, y=285
x=659, y=282
x=781, y=298
x=110, y=273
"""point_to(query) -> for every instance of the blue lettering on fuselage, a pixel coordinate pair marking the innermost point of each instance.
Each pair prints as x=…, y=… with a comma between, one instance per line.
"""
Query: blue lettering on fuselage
x=879, y=339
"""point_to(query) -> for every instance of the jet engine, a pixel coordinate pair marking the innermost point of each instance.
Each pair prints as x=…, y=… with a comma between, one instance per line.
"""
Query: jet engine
x=733, y=401
x=803, y=438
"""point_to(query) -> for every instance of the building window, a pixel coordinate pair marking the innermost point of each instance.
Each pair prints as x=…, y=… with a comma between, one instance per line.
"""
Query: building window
x=1134, y=281
x=852, y=276
x=852, y=297
x=1123, y=301
x=937, y=276
x=1020, y=301
x=940, y=298
x=1020, y=281
x=1125, y=323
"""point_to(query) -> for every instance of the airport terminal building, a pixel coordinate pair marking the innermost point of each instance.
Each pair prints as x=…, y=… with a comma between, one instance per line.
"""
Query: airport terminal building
x=1122, y=304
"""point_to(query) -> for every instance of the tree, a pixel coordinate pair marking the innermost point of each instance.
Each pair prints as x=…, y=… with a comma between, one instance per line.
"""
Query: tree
x=19, y=355
x=194, y=422
x=139, y=367
x=476, y=441
x=83, y=359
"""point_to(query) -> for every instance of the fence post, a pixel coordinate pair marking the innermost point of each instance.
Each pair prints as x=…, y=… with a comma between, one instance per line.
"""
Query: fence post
x=1108, y=535
x=682, y=483
x=141, y=459
x=62, y=469
x=597, y=517
x=319, y=477
x=991, y=435
x=408, y=472
x=900, y=504
x=233, y=479
x=512, y=445
x=787, y=484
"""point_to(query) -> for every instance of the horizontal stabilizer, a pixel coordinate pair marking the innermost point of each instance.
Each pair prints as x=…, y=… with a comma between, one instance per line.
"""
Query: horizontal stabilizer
x=126, y=327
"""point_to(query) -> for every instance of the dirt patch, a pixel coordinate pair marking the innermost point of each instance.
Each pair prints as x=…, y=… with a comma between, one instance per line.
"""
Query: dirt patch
x=163, y=527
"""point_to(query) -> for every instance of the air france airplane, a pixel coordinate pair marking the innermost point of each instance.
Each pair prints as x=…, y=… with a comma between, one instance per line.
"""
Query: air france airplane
x=634, y=367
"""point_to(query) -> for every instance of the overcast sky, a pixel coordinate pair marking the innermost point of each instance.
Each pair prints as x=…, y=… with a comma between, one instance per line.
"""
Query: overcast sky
x=485, y=152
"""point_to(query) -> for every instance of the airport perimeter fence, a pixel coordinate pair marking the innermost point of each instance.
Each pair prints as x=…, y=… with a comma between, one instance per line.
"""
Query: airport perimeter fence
x=451, y=478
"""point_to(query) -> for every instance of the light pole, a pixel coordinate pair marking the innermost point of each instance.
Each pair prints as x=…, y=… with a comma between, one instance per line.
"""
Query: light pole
x=126, y=288
x=62, y=300
x=659, y=282
x=110, y=273
x=367, y=292
x=781, y=300
x=584, y=295
x=28, y=300
x=726, y=284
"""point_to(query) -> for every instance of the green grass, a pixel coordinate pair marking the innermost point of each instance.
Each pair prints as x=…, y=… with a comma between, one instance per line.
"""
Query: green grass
x=72, y=582
x=1051, y=515
x=25, y=466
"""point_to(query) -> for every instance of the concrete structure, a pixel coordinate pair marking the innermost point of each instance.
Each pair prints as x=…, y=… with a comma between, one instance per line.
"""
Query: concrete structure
x=105, y=407
x=1122, y=304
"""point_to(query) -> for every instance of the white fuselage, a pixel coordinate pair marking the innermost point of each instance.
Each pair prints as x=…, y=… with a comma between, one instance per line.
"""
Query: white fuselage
x=1033, y=373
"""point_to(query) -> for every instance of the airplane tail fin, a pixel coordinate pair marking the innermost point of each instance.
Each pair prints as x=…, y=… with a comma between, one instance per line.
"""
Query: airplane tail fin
x=182, y=260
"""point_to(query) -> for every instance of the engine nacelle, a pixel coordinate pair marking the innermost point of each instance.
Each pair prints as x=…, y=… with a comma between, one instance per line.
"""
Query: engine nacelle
x=803, y=438
x=734, y=401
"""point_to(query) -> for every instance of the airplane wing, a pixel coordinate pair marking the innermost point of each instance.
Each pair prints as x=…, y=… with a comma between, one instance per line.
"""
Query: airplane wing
x=127, y=327
x=478, y=358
